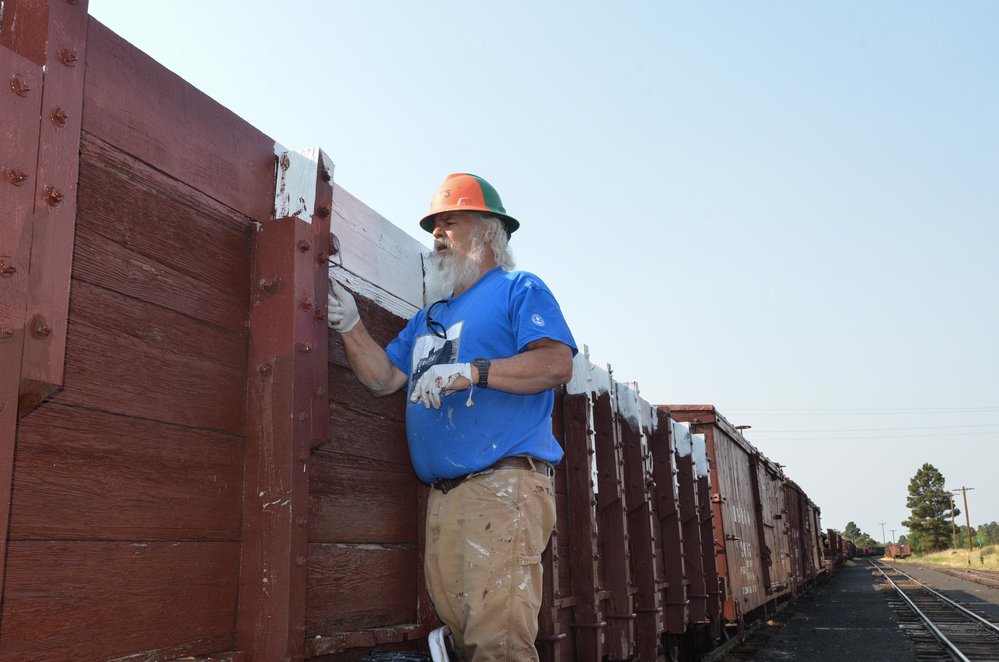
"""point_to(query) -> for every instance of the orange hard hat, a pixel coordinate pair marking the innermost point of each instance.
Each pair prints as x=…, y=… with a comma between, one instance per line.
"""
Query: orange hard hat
x=462, y=191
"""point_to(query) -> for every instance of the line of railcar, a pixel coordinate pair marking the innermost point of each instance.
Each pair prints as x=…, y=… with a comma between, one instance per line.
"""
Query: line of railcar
x=252, y=502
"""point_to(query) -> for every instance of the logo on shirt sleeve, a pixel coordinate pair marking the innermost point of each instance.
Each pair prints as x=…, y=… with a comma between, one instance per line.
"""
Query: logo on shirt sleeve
x=538, y=320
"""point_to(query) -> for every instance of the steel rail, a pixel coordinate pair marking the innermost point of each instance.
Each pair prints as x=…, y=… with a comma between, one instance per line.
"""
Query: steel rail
x=992, y=626
x=954, y=650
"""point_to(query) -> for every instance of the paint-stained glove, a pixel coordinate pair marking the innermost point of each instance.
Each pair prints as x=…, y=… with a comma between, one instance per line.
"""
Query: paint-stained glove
x=437, y=381
x=341, y=309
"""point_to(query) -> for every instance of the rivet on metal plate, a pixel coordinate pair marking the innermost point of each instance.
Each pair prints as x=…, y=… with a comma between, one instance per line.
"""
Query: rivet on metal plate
x=305, y=245
x=265, y=369
x=6, y=271
x=326, y=175
x=323, y=212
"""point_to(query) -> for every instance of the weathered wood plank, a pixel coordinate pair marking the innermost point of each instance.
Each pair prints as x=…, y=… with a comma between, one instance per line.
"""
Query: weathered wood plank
x=133, y=358
x=378, y=252
x=95, y=600
x=587, y=623
x=89, y=475
x=354, y=587
x=137, y=105
x=641, y=544
x=153, y=238
x=671, y=528
x=346, y=390
x=612, y=518
x=357, y=433
x=355, y=500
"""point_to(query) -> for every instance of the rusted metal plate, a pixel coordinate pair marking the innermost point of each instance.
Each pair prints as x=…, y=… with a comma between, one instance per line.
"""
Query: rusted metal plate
x=20, y=104
x=54, y=219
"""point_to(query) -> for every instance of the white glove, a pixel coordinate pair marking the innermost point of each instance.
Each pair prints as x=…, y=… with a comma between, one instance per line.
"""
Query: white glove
x=341, y=309
x=437, y=381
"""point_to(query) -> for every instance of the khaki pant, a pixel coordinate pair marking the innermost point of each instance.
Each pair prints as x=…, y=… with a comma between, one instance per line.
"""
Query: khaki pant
x=483, y=561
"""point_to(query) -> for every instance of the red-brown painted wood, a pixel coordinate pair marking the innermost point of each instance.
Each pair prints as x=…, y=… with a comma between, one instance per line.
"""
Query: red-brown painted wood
x=641, y=543
x=163, y=365
x=145, y=235
x=55, y=210
x=78, y=600
x=716, y=588
x=18, y=159
x=360, y=586
x=613, y=523
x=588, y=625
x=88, y=475
x=286, y=394
x=696, y=550
x=135, y=104
x=355, y=499
x=671, y=528
x=25, y=29
x=359, y=434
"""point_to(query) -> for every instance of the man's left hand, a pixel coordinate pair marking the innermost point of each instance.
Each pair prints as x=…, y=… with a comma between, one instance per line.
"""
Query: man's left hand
x=439, y=380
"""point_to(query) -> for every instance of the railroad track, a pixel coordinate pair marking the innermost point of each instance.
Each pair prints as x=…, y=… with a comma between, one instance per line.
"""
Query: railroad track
x=940, y=628
x=988, y=578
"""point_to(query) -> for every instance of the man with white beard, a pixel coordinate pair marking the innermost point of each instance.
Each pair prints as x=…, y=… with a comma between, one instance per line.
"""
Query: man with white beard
x=489, y=454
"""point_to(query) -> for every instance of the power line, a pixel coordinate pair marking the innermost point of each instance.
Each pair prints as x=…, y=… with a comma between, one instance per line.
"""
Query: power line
x=921, y=427
x=862, y=409
x=897, y=436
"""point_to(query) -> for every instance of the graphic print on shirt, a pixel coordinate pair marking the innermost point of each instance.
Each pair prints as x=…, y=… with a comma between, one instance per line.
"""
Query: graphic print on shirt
x=430, y=350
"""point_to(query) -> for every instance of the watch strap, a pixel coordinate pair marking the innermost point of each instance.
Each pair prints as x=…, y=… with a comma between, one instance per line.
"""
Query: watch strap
x=483, y=367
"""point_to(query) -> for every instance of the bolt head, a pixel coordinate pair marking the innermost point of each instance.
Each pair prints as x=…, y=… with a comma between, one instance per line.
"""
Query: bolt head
x=19, y=86
x=67, y=57
x=58, y=117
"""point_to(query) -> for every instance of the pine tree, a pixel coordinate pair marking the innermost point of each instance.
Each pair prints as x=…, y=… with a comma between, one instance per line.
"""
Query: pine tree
x=851, y=531
x=930, y=503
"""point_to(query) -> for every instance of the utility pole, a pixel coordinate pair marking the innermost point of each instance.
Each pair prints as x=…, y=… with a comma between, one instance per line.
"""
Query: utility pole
x=892, y=536
x=967, y=519
x=882, y=532
x=953, y=527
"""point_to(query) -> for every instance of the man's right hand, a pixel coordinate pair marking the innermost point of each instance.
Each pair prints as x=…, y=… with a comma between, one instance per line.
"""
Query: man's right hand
x=341, y=309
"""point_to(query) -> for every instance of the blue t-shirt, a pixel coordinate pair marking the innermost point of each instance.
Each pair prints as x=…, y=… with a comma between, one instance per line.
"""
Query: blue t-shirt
x=496, y=318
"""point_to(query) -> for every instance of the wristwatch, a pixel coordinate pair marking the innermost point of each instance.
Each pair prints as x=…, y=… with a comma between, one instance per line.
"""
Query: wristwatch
x=483, y=366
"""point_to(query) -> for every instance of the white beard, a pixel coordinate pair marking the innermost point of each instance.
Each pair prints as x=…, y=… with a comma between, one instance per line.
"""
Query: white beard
x=449, y=271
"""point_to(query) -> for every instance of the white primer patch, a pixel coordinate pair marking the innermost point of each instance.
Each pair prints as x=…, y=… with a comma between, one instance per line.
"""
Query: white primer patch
x=479, y=548
x=627, y=403
x=700, y=450
x=681, y=438
x=295, y=187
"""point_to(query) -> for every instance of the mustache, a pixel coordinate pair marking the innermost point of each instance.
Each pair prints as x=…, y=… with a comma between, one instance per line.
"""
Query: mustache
x=441, y=243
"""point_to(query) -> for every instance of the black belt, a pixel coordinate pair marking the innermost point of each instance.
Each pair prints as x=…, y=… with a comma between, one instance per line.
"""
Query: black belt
x=445, y=485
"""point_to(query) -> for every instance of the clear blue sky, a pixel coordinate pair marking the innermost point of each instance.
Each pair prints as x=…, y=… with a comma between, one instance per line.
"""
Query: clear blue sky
x=789, y=210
